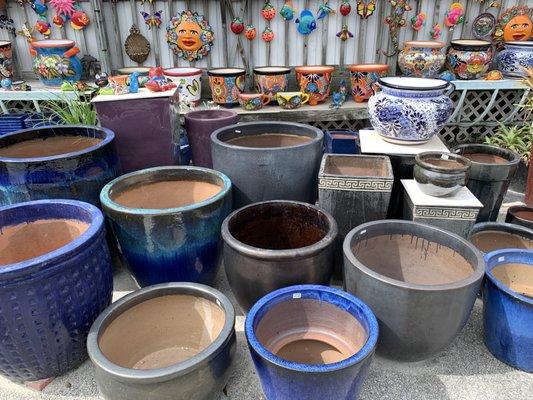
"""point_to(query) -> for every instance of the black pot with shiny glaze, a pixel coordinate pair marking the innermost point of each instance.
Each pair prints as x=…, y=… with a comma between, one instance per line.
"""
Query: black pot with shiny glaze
x=520, y=215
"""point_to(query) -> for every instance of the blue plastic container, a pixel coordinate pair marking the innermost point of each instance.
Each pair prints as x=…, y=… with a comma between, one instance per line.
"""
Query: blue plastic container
x=508, y=315
x=342, y=141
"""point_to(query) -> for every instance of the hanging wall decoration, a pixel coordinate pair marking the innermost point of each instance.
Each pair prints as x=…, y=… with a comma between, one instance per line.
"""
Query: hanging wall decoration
x=344, y=34
x=365, y=10
x=268, y=11
x=237, y=26
x=454, y=16
x=7, y=24
x=324, y=10
x=396, y=21
x=79, y=20
x=435, y=32
x=418, y=21
x=68, y=10
x=43, y=27
x=190, y=36
x=40, y=7
x=152, y=20
x=345, y=8
x=137, y=46
x=267, y=35
x=250, y=32
x=484, y=26
x=514, y=24
x=287, y=11
x=306, y=22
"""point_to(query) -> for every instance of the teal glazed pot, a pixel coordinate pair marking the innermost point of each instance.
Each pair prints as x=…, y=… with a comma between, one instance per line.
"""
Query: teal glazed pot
x=166, y=230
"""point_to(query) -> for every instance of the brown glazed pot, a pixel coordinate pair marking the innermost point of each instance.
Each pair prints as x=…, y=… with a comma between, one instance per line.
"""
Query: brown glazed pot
x=520, y=215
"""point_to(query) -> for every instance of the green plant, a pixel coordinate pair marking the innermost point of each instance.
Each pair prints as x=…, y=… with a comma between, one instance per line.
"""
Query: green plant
x=517, y=138
x=77, y=111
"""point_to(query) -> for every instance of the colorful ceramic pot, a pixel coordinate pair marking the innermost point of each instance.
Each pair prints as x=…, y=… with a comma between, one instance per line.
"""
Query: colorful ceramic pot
x=363, y=77
x=520, y=215
x=291, y=100
x=508, y=307
x=469, y=59
x=491, y=236
x=55, y=279
x=315, y=81
x=167, y=341
x=410, y=110
x=311, y=342
x=422, y=58
x=6, y=59
x=226, y=85
x=183, y=207
x=119, y=84
x=271, y=80
x=253, y=101
x=189, y=81
x=55, y=61
x=515, y=58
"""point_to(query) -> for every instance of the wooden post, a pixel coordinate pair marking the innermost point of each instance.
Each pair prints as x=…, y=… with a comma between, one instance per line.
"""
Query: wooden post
x=529, y=183
x=101, y=36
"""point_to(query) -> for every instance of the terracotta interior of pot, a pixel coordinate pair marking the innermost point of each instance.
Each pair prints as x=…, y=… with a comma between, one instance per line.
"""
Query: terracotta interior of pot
x=309, y=331
x=412, y=259
x=487, y=241
x=33, y=239
x=279, y=226
x=356, y=166
x=516, y=276
x=445, y=164
x=524, y=214
x=162, y=331
x=266, y=140
x=485, y=158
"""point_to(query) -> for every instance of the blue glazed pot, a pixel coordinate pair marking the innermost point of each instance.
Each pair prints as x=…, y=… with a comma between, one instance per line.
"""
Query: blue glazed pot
x=508, y=314
x=55, y=61
x=515, y=58
x=410, y=110
x=285, y=316
x=48, y=303
x=342, y=141
x=78, y=175
x=169, y=244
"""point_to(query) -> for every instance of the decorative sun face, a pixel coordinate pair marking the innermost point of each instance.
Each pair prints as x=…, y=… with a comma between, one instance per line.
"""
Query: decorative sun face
x=65, y=7
x=189, y=35
x=518, y=28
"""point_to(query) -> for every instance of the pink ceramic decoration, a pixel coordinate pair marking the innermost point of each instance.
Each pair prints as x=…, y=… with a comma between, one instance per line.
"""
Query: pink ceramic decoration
x=315, y=81
x=435, y=32
x=363, y=77
x=418, y=21
x=268, y=11
x=454, y=16
x=157, y=82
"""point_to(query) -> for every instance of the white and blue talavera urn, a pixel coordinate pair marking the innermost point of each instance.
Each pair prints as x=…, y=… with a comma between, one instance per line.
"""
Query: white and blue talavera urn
x=410, y=110
x=516, y=58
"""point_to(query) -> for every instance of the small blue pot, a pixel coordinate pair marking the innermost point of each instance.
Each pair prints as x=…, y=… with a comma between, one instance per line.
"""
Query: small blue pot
x=338, y=142
x=508, y=315
x=516, y=58
x=282, y=379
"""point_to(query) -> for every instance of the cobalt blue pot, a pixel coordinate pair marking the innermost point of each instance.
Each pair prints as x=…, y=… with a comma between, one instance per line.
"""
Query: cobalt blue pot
x=55, y=279
x=47, y=173
x=311, y=342
x=342, y=141
x=166, y=231
x=508, y=307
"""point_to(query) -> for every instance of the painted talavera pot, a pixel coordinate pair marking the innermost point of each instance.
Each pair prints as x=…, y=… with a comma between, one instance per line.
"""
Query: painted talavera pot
x=226, y=85
x=363, y=77
x=515, y=58
x=55, y=279
x=271, y=80
x=421, y=282
x=520, y=215
x=167, y=341
x=469, y=59
x=55, y=61
x=189, y=81
x=422, y=58
x=6, y=59
x=410, y=110
x=508, y=307
x=285, y=155
x=167, y=221
x=274, y=244
x=491, y=236
x=253, y=101
x=315, y=81
x=337, y=331
x=77, y=168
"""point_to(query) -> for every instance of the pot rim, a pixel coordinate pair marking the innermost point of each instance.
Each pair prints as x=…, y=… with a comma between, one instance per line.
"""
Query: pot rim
x=388, y=82
x=109, y=136
x=432, y=44
x=182, y=71
x=281, y=70
x=511, y=210
x=269, y=254
x=465, y=162
x=229, y=72
x=228, y=114
x=109, y=203
x=368, y=67
x=52, y=43
x=314, y=69
x=366, y=351
x=515, y=158
x=131, y=69
x=172, y=371
x=476, y=275
x=504, y=227
x=4, y=43
x=470, y=44
x=519, y=43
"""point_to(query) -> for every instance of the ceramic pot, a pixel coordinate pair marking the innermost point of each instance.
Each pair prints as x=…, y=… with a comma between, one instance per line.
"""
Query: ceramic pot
x=311, y=342
x=226, y=85
x=119, y=84
x=142, y=71
x=520, y=215
x=271, y=80
x=168, y=341
x=469, y=59
x=440, y=174
x=167, y=221
x=269, y=160
x=274, y=244
x=422, y=58
x=491, y=236
x=508, y=307
x=6, y=59
x=199, y=126
x=490, y=175
x=410, y=110
x=62, y=162
x=253, y=101
x=515, y=59
x=315, y=81
x=189, y=81
x=417, y=279
x=363, y=77
x=55, y=278
x=55, y=61
x=342, y=141
x=291, y=100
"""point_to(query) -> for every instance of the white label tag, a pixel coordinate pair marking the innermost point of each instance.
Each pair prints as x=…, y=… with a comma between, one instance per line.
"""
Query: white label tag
x=502, y=258
x=296, y=295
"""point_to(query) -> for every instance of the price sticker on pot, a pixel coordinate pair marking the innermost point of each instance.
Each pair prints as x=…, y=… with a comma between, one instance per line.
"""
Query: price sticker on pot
x=502, y=258
x=296, y=295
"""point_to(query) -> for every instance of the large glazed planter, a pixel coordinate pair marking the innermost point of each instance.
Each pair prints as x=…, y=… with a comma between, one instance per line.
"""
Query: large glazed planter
x=271, y=80
x=167, y=341
x=516, y=58
x=422, y=58
x=269, y=160
x=421, y=282
x=167, y=222
x=491, y=172
x=311, y=342
x=189, y=81
x=520, y=215
x=315, y=81
x=55, y=61
x=55, y=279
x=410, y=110
x=469, y=59
x=508, y=307
x=363, y=77
x=6, y=59
x=491, y=236
x=275, y=244
x=62, y=162
x=226, y=85
x=199, y=126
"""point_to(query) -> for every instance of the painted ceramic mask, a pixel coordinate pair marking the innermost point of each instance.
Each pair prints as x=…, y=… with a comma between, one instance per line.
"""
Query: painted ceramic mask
x=190, y=36
x=518, y=28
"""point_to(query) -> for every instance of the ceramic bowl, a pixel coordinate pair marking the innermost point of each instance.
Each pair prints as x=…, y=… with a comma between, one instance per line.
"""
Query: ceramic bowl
x=253, y=101
x=226, y=85
x=189, y=81
x=271, y=80
x=291, y=100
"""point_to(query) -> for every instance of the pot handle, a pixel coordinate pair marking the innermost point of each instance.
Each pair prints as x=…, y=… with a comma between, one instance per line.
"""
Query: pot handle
x=33, y=52
x=449, y=89
x=71, y=52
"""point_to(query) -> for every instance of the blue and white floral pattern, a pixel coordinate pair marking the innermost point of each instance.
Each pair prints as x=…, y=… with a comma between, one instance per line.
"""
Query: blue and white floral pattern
x=513, y=60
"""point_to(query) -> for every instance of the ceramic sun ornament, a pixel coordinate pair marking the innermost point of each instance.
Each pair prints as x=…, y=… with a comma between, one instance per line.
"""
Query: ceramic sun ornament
x=190, y=36
x=418, y=21
x=514, y=24
x=287, y=11
x=268, y=11
x=454, y=16
x=396, y=21
x=366, y=8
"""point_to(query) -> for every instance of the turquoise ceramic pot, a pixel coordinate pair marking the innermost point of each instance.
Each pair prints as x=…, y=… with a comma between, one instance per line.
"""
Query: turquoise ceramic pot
x=54, y=61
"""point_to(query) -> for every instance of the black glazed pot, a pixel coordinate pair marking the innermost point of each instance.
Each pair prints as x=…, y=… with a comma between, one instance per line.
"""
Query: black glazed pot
x=520, y=215
x=490, y=236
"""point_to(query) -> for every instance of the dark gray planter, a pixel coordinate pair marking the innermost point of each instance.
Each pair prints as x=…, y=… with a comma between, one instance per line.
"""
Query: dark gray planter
x=275, y=244
x=269, y=173
x=490, y=236
x=150, y=322
x=488, y=181
x=520, y=215
x=392, y=266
